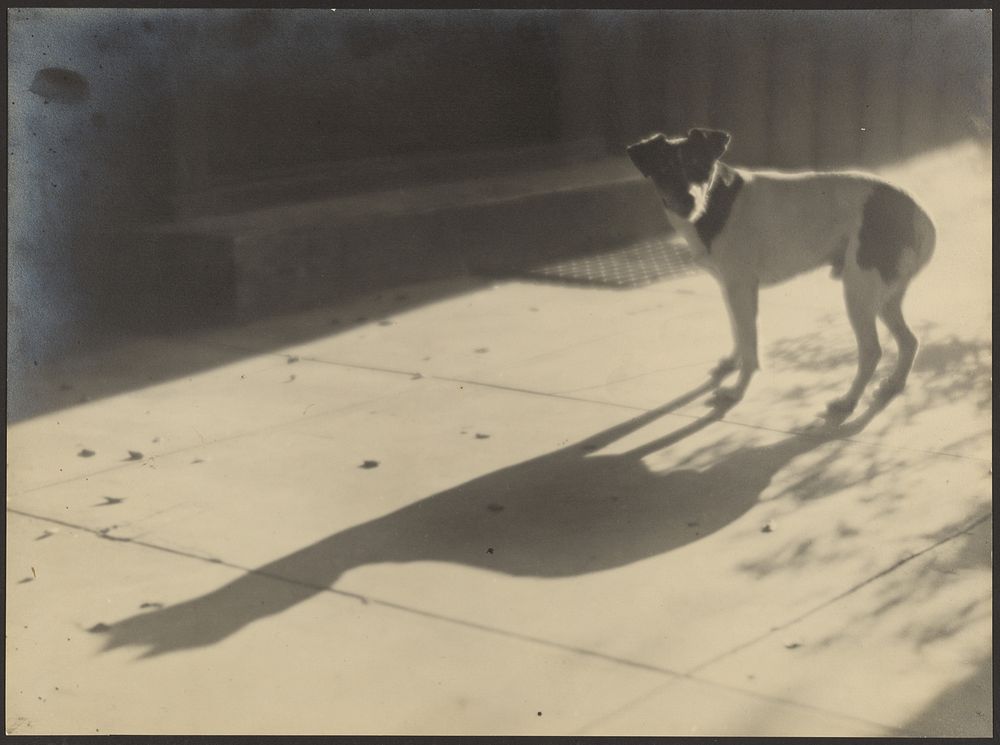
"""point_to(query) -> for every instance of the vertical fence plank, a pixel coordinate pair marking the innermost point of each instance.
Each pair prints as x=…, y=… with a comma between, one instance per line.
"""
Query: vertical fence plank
x=704, y=63
x=673, y=111
x=919, y=106
x=741, y=88
x=883, y=73
x=581, y=78
x=791, y=96
x=963, y=74
x=839, y=94
x=655, y=61
x=623, y=58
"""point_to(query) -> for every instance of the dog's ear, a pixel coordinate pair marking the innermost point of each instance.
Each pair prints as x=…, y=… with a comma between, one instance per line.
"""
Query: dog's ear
x=648, y=155
x=714, y=141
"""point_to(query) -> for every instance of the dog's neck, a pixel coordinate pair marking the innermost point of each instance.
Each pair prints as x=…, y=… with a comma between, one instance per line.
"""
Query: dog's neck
x=713, y=201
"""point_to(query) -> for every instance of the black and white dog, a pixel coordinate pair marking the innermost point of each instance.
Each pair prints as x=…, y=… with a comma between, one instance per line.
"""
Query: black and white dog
x=752, y=228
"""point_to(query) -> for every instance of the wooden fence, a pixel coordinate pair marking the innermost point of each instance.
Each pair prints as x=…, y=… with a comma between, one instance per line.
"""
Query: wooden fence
x=796, y=88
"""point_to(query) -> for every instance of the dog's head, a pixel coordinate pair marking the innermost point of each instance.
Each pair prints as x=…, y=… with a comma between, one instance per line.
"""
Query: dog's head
x=676, y=164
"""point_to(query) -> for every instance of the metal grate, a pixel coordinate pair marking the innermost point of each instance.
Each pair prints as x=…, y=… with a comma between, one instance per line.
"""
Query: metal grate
x=635, y=265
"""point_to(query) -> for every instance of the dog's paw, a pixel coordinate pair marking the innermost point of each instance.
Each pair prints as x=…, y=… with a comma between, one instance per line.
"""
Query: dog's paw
x=723, y=367
x=889, y=388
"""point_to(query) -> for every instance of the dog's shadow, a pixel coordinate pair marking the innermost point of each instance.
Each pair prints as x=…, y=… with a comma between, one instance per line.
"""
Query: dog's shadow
x=565, y=513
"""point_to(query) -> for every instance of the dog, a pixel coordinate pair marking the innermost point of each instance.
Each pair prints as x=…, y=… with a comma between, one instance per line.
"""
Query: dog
x=750, y=228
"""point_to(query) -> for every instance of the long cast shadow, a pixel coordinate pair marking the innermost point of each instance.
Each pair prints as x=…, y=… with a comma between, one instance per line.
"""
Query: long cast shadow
x=565, y=513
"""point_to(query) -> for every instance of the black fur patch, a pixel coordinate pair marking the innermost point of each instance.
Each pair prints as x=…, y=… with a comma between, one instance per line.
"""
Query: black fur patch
x=887, y=229
x=721, y=196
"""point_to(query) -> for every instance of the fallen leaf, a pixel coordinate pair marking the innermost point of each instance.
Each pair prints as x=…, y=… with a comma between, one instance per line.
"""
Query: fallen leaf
x=792, y=645
x=482, y=350
x=481, y=436
x=369, y=464
x=150, y=605
x=768, y=527
x=134, y=455
x=106, y=533
x=85, y=453
x=110, y=500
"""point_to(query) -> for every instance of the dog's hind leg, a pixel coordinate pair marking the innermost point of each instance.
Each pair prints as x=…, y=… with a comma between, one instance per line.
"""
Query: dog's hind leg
x=891, y=314
x=862, y=290
x=891, y=310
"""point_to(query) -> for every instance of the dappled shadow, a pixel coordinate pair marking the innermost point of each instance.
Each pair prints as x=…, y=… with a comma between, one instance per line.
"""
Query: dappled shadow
x=569, y=512
x=948, y=370
x=932, y=598
x=948, y=367
x=964, y=709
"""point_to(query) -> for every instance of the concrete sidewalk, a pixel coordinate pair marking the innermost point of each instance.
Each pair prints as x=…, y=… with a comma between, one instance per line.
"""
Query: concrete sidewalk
x=510, y=511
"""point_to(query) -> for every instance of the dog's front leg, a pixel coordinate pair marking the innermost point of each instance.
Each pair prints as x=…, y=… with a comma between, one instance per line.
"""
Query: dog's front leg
x=741, y=301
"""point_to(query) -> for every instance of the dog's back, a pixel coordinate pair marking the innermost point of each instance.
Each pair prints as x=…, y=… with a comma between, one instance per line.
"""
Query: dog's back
x=823, y=218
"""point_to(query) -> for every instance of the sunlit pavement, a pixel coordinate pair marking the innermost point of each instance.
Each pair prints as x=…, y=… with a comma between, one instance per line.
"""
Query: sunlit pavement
x=502, y=512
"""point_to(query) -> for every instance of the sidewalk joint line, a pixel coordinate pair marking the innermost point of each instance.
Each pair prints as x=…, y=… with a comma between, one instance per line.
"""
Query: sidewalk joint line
x=365, y=599
x=630, y=407
x=207, y=443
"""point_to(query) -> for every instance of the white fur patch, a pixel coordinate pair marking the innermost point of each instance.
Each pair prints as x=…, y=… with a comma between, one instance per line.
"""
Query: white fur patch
x=699, y=192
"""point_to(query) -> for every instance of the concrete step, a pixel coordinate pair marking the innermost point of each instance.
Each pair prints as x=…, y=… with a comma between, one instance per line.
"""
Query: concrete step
x=242, y=265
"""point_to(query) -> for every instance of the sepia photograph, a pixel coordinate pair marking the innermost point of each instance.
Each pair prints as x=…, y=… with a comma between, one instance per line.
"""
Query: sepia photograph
x=505, y=372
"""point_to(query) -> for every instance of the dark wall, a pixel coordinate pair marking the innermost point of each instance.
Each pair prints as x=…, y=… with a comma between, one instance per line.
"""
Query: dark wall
x=799, y=89
x=260, y=93
x=275, y=91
